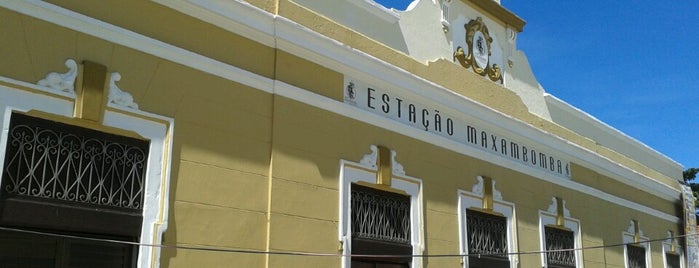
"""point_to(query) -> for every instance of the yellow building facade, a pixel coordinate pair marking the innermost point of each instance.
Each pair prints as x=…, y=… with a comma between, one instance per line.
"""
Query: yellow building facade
x=279, y=133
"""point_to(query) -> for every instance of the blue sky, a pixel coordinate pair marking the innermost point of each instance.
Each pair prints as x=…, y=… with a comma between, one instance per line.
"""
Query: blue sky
x=632, y=64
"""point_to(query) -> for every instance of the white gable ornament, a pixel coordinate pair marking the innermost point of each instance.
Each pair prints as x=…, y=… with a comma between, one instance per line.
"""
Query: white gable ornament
x=369, y=160
x=632, y=229
x=397, y=167
x=478, y=189
x=64, y=82
x=117, y=96
x=553, y=207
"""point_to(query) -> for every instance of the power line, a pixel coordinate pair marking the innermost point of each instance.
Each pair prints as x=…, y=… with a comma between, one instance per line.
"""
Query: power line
x=317, y=254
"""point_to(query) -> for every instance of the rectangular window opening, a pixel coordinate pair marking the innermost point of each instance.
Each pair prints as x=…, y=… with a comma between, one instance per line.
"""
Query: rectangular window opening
x=673, y=260
x=636, y=256
x=67, y=179
x=487, y=240
x=380, y=226
x=557, y=241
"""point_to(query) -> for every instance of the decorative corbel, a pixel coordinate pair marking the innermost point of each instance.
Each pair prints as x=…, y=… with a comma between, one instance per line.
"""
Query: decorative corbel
x=117, y=96
x=64, y=82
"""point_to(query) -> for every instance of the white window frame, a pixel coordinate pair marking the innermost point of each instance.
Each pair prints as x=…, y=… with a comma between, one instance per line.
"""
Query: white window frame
x=628, y=238
x=667, y=248
x=23, y=97
x=474, y=199
x=365, y=171
x=548, y=217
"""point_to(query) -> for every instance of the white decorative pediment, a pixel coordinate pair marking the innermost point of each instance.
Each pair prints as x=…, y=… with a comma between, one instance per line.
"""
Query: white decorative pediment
x=496, y=194
x=553, y=208
x=117, y=96
x=478, y=189
x=670, y=244
x=64, y=82
x=631, y=229
x=369, y=159
x=397, y=167
x=671, y=239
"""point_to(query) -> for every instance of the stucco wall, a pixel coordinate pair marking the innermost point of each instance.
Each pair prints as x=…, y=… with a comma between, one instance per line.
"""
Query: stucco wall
x=255, y=170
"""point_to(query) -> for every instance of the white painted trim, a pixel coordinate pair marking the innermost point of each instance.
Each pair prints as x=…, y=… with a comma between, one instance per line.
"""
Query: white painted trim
x=330, y=53
x=47, y=90
x=548, y=217
x=478, y=189
x=590, y=119
x=235, y=16
x=351, y=172
x=468, y=200
x=157, y=129
x=628, y=238
x=553, y=208
x=376, y=9
x=303, y=96
x=667, y=248
x=81, y=23
x=312, y=46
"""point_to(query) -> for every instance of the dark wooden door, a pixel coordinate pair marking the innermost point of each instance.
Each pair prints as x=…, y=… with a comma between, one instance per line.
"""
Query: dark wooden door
x=24, y=250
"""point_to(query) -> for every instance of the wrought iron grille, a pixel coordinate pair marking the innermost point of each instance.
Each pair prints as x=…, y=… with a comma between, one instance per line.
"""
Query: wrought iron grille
x=380, y=215
x=51, y=160
x=636, y=256
x=558, y=240
x=673, y=260
x=487, y=234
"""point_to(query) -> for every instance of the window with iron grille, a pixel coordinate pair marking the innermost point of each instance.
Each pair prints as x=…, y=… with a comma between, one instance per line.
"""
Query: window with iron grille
x=635, y=256
x=486, y=239
x=61, y=178
x=52, y=161
x=557, y=241
x=380, y=226
x=673, y=260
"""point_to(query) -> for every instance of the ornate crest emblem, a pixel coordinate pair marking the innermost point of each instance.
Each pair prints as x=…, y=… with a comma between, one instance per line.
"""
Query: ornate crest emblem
x=478, y=55
x=350, y=90
x=350, y=93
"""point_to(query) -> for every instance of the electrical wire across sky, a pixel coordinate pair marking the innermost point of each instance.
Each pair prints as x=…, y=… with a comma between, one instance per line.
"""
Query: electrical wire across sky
x=316, y=254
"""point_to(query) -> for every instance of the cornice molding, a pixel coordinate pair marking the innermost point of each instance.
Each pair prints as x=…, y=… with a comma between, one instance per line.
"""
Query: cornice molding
x=294, y=38
x=388, y=15
x=610, y=130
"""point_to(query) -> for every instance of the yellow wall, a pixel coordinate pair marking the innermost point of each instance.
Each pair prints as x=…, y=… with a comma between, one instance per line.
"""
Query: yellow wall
x=253, y=170
x=457, y=79
x=182, y=31
x=305, y=164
